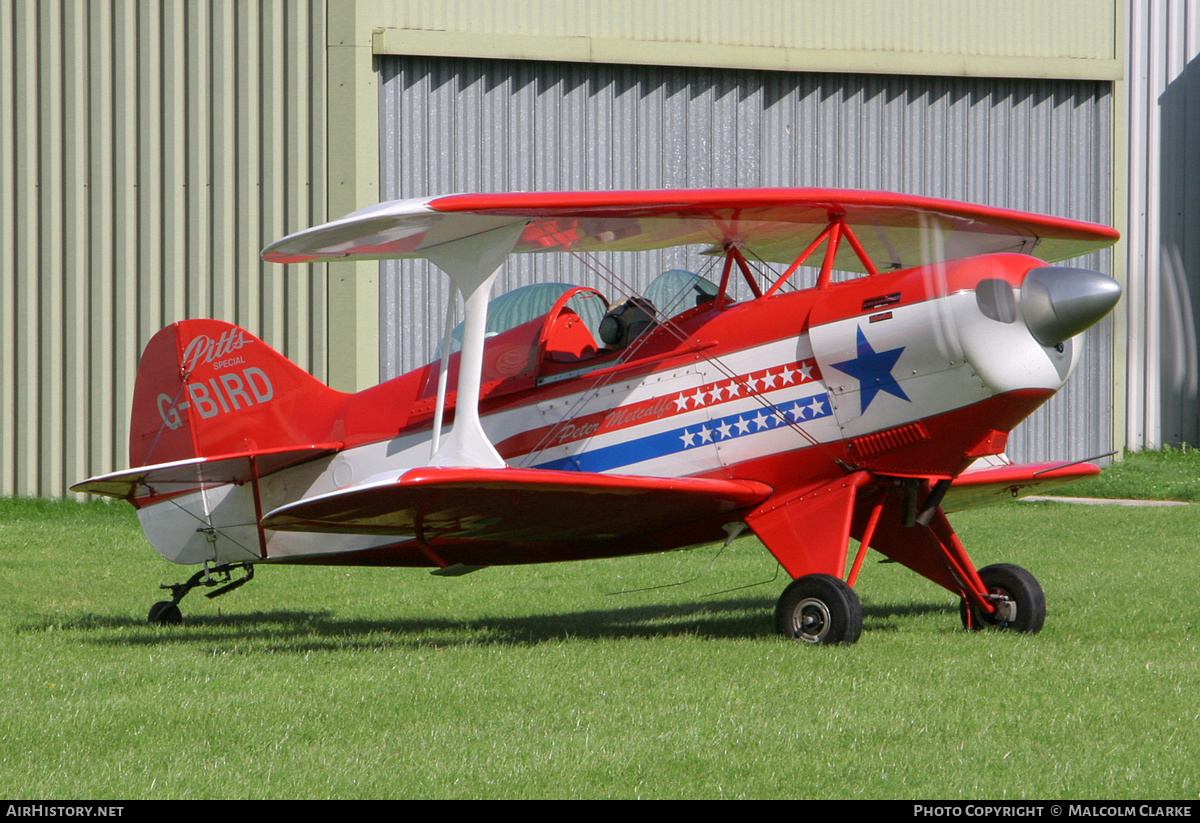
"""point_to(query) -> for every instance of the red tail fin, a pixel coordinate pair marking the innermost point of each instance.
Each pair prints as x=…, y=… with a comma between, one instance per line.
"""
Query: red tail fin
x=205, y=387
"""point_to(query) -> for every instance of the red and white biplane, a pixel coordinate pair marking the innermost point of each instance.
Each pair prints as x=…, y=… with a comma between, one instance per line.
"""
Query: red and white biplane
x=564, y=428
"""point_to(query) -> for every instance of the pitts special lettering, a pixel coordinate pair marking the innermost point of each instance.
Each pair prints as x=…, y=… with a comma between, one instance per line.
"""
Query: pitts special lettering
x=218, y=395
x=203, y=349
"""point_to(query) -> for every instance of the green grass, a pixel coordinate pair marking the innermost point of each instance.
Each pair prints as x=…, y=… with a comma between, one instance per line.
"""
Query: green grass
x=537, y=682
x=1168, y=474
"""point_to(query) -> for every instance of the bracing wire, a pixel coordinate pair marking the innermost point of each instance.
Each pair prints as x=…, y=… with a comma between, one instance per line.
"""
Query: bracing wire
x=594, y=265
x=711, y=565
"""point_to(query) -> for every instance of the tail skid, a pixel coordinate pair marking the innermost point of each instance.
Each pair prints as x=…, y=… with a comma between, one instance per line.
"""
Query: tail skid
x=166, y=612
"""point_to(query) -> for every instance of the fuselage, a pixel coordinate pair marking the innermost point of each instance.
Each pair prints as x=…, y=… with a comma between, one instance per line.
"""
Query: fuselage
x=911, y=374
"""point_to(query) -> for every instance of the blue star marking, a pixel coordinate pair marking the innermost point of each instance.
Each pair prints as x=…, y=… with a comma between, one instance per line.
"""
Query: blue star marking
x=873, y=370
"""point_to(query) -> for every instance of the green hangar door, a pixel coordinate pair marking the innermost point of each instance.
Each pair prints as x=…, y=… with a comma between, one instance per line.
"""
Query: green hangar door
x=460, y=125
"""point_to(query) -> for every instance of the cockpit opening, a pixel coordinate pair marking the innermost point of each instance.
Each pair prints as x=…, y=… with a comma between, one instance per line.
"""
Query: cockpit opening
x=608, y=326
x=545, y=327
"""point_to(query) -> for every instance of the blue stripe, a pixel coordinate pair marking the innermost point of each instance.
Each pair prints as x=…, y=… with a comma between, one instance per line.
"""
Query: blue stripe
x=707, y=433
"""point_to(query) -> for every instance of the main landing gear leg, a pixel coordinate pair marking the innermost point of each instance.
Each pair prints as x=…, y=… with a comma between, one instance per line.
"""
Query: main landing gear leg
x=166, y=612
x=1002, y=596
x=808, y=531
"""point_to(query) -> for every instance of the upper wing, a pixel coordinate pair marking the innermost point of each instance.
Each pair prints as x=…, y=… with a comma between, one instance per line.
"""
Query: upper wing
x=896, y=230
x=516, y=504
x=984, y=487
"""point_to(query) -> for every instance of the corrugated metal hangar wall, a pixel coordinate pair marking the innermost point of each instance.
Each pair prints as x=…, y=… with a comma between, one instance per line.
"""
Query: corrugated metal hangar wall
x=1163, y=293
x=153, y=147
x=451, y=125
x=147, y=152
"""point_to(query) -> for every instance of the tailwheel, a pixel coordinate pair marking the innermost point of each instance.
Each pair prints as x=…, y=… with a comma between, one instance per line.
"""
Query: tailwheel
x=220, y=576
x=1017, y=596
x=819, y=609
x=165, y=613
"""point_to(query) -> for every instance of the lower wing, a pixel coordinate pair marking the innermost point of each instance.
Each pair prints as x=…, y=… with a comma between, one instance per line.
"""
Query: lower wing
x=984, y=487
x=516, y=504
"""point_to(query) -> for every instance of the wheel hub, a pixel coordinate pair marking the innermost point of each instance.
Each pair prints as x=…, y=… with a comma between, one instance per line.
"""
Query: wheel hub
x=812, y=620
x=1006, y=608
x=819, y=609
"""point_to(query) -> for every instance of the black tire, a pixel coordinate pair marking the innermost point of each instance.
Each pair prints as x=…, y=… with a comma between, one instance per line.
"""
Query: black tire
x=1024, y=610
x=165, y=613
x=819, y=609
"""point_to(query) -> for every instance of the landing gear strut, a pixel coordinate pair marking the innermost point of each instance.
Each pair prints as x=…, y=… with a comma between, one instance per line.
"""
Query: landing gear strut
x=166, y=612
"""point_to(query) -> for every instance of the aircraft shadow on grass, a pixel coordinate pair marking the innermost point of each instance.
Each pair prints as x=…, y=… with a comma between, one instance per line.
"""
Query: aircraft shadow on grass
x=304, y=631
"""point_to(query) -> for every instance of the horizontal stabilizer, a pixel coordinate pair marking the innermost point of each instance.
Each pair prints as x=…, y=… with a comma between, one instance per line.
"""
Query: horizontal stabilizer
x=533, y=505
x=182, y=476
x=985, y=487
